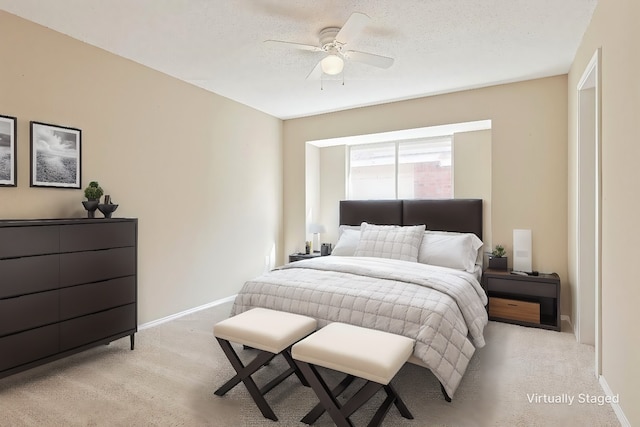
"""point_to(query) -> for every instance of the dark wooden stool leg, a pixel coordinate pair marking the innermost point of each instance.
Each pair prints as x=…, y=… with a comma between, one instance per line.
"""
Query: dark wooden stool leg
x=404, y=411
x=244, y=375
x=318, y=410
x=287, y=355
x=323, y=393
x=340, y=413
x=381, y=412
x=242, y=371
x=366, y=392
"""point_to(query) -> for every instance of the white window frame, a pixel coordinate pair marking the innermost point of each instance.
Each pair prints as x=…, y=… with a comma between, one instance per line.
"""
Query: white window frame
x=396, y=160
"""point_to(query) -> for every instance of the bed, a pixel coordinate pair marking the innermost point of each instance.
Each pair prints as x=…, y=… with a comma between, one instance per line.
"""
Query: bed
x=409, y=267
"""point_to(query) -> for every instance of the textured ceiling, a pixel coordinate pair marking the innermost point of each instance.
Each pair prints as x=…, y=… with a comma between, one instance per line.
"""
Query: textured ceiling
x=439, y=45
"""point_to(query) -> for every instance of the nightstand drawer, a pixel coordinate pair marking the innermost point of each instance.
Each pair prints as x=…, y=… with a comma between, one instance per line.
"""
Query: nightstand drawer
x=515, y=285
x=514, y=309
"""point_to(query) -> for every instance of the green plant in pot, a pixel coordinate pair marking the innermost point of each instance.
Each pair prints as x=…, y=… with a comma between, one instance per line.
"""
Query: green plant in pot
x=498, y=259
x=93, y=193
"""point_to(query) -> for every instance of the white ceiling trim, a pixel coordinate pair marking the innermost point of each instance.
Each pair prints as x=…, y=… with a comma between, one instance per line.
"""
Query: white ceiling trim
x=404, y=134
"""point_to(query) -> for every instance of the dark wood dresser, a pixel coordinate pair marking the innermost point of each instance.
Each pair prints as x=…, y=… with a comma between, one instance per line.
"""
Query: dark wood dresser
x=65, y=285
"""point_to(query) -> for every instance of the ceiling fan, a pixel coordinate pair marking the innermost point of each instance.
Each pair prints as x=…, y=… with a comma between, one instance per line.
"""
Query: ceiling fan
x=333, y=42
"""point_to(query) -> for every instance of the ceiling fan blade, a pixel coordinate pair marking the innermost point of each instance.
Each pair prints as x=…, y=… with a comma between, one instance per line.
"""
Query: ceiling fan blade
x=316, y=73
x=296, y=45
x=352, y=28
x=369, y=58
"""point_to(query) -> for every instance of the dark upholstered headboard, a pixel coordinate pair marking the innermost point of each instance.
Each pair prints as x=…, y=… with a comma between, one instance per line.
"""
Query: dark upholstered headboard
x=383, y=212
x=462, y=215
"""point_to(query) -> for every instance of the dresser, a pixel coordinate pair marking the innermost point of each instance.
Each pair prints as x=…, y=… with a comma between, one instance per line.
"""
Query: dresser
x=65, y=286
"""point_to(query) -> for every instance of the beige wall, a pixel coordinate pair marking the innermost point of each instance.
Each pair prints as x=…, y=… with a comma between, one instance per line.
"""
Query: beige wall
x=202, y=173
x=312, y=192
x=333, y=188
x=472, y=174
x=528, y=157
x=614, y=28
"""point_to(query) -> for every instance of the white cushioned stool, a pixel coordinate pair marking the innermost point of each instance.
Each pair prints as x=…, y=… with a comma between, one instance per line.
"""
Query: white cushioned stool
x=269, y=331
x=375, y=356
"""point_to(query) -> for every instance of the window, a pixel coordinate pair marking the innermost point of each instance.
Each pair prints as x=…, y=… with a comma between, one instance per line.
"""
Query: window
x=417, y=169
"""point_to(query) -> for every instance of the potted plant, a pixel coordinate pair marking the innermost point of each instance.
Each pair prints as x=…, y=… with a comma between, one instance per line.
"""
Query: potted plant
x=93, y=193
x=497, y=259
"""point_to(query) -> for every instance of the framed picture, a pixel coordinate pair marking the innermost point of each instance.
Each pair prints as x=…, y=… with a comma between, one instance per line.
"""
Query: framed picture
x=55, y=156
x=8, y=164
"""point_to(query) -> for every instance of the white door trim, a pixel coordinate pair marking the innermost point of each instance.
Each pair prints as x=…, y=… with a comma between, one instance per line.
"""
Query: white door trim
x=591, y=79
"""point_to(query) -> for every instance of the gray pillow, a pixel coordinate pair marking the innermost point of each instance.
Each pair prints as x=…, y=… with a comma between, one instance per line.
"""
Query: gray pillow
x=388, y=241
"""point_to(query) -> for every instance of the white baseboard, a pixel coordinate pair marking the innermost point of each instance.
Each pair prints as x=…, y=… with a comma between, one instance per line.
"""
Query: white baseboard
x=616, y=406
x=184, y=313
x=565, y=317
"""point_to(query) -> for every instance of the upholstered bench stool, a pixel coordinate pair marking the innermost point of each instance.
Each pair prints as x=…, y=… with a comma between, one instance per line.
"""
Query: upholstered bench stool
x=373, y=355
x=269, y=331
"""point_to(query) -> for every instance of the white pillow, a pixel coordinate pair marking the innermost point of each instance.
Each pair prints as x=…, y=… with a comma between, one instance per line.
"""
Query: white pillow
x=347, y=243
x=347, y=227
x=388, y=241
x=449, y=249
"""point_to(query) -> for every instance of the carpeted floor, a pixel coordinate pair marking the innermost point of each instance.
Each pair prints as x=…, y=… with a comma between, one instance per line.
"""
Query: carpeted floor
x=169, y=379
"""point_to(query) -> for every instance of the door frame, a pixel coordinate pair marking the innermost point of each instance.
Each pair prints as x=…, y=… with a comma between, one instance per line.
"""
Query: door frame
x=591, y=79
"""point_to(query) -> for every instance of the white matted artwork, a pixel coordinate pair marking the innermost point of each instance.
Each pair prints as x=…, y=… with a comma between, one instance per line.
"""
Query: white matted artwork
x=8, y=164
x=55, y=156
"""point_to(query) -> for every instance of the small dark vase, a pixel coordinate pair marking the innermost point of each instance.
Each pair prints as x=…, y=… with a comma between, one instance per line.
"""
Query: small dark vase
x=107, y=209
x=91, y=206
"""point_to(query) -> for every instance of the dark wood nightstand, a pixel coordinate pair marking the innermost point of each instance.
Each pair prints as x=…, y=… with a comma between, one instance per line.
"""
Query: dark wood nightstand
x=299, y=257
x=523, y=300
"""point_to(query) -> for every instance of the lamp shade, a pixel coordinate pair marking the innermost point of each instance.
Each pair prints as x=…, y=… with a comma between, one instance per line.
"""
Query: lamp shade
x=316, y=228
x=332, y=65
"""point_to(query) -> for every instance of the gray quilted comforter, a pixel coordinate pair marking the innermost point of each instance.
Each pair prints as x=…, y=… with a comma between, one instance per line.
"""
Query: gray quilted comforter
x=440, y=308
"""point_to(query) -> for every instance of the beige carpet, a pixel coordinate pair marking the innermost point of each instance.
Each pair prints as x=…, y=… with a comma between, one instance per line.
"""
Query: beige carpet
x=169, y=379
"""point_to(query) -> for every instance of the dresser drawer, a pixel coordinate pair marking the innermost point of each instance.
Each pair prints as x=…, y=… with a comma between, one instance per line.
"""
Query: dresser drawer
x=512, y=309
x=84, y=299
x=27, y=275
x=101, y=235
x=95, y=327
x=28, y=311
x=29, y=346
x=26, y=241
x=94, y=266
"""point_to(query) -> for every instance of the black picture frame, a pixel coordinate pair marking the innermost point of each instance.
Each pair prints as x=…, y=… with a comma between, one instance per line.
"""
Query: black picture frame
x=56, y=156
x=8, y=151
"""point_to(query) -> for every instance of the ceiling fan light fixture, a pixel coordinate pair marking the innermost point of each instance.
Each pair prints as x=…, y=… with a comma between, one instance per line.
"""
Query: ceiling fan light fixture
x=332, y=65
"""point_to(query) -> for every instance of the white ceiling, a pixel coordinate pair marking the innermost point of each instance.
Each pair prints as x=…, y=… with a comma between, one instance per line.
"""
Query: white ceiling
x=439, y=46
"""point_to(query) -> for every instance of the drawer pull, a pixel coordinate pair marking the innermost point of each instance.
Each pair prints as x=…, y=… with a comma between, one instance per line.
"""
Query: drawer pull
x=513, y=305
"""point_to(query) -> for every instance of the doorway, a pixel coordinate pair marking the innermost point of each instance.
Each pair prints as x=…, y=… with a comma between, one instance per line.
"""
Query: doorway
x=588, y=223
